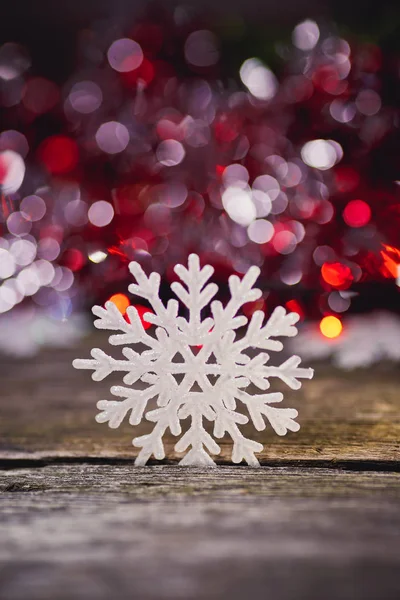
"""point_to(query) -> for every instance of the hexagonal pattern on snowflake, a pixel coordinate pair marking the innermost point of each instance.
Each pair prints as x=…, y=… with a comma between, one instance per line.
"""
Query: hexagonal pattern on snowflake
x=197, y=368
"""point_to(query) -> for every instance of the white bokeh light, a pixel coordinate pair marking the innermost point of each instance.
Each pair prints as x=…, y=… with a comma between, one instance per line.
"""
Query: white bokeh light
x=33, y=208
x=28, y=281
x=101, y=213
x=172, y=194
x=12, y=168
x=290, y=276
x=17, y=225
x=343, y=112
x=235, y=174
x=23, y=251
x=280, y=204
x=323, y=254
x=262, y=202
x=63, y=279
x=267, y=184
x=260, y=231
x=112, y=137
x=292, y=176
x=75, y=213
x=125, y=55
x=8, y=298
x=321, y=154
x=97, y=256
x=11, y=284
x=7, y=264
x=239, y=205
x=85, y=97
x=48, y=248
x=259, y=80
x=170, y=153
x=305, y=35
x=338, y=303
x=45, y=271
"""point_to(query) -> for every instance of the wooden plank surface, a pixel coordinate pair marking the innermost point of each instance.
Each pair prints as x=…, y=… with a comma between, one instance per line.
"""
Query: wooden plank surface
x=106, y=531
x=47, y=409
x=320, y=519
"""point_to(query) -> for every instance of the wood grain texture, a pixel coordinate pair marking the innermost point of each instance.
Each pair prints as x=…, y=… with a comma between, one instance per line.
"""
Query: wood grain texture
x=47, y=409
x=79, y=521
x=100, y=532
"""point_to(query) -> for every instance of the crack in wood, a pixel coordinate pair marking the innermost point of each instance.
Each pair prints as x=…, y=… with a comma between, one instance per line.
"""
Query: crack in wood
x=380, y=466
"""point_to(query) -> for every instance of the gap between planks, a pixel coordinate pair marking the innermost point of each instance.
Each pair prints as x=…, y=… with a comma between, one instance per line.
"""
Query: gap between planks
x=387, y=466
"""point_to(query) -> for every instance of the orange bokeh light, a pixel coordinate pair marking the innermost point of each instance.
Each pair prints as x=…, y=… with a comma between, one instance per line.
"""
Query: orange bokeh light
x=331, y=327
x=337, y=275
x=391, y=261
x=121, y=302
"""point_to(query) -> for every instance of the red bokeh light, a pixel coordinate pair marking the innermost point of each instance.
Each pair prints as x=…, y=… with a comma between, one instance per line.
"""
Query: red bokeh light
x=3, y=170
x=295, y=306
x=337, y=275
x=144, y=72
x=74, y=259
x=122, y=302
x=326, y=77
x=357, y=213
x=143, y=310
x=226, y=129
x=59, y=154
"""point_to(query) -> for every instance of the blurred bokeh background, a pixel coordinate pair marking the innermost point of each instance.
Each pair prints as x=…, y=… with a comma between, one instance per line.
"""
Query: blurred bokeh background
x=250, y=132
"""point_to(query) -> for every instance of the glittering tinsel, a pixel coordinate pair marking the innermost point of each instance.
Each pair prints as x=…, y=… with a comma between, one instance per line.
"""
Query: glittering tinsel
x=152, y=150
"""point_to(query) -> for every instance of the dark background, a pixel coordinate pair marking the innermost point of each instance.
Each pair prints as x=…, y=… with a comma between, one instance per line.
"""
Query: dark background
x=49, y=28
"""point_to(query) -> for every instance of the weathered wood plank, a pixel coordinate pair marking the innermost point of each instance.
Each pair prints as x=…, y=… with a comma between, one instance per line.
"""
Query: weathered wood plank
x=105, y=531
x=47, y=409
x=108, y=530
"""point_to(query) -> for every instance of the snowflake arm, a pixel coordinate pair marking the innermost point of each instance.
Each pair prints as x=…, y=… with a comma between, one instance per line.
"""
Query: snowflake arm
x=164, y=417
x=279, y=324
x=242, y=292
x=290, y=372
x=110, y=318
x=197, y=295
x=103, y=365
x=135, y=401
x=196, y=369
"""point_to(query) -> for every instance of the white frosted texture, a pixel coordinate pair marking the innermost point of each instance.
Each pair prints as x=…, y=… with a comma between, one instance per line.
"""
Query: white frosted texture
x=197, y=368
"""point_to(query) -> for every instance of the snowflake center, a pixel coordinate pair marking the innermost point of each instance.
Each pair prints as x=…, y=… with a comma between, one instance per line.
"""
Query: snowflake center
x=202, y=369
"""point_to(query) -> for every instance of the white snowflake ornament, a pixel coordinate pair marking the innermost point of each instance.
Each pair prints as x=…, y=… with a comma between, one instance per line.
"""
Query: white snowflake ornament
x=197, y=368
